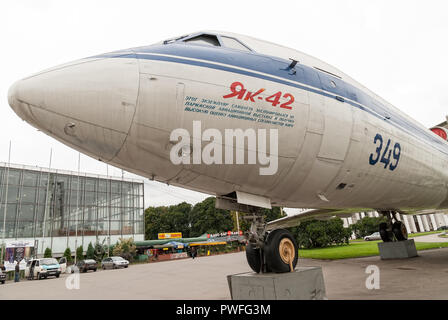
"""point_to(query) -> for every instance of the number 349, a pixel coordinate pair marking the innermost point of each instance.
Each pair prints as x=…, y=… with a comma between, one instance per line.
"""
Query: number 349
x=386, y=154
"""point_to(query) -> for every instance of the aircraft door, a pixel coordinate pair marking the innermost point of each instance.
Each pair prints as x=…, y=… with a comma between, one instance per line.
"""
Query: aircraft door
x=331, y=118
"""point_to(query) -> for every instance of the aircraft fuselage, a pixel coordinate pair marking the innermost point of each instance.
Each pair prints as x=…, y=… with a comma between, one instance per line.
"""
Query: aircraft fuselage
x=339, y=145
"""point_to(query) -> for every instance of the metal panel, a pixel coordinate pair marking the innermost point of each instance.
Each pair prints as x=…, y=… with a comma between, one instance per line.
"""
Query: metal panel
x=338, y=129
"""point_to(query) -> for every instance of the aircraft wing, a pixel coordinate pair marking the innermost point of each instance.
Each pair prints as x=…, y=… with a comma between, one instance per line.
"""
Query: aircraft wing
x=319, y=214
x=325, y=214
x=423, y=211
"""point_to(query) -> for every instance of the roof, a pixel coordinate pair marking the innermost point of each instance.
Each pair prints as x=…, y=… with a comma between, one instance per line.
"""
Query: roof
x=67, y=172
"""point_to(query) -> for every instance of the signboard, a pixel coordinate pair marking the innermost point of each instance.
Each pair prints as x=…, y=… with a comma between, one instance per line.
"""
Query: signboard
x=172, y=235
x=224, y=234
x=18, y=251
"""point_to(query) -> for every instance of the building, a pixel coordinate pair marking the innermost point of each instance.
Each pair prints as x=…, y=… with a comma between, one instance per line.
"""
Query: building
x=427, y=220
x=59, y=209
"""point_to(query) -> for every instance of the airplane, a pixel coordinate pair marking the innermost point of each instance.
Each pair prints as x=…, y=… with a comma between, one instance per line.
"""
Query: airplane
x=164, y=111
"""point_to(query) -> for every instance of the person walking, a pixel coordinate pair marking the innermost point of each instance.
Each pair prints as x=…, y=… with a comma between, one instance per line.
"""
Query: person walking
x=17, y=272
x=193, y=252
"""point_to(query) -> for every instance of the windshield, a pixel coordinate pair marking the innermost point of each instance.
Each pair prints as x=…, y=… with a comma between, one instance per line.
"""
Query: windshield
x=174, y=39
x=117, y=258
x=90, y=261
x=49, y=261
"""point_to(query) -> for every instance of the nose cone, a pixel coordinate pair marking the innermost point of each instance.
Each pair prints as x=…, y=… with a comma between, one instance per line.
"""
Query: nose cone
x=15, y=104
x=88, y=104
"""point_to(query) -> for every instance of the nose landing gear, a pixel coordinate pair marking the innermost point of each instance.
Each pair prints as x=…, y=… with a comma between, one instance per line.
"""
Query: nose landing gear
x=276, y=251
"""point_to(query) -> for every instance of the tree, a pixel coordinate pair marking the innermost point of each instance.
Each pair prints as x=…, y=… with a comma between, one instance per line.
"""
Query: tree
x=47, y=253
x=100, y=250
x=205, y=218
x=367, y=225
x=175, y=218
x=125, y=248
x=79, y=253
x=90, y=254
x=68, y=255
x=318, y=234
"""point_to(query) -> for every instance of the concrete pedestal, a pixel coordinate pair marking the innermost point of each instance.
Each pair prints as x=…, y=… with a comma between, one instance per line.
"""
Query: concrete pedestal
x=397, y=249
x=305, y=283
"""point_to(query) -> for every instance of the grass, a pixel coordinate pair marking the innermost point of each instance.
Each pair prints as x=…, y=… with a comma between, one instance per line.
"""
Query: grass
x=357, y=249
x=418, y=234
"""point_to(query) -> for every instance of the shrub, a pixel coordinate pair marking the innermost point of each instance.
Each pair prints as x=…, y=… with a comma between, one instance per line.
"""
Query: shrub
x=100, y=250
x=126, y=249
x=90, y=254
x=366, y=226
x=68, y=255
x=79, y=253
x=47, y=253
x=318, y=234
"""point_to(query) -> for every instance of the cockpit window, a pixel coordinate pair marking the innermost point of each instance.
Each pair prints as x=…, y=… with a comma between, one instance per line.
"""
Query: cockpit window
x=204, y=39
x=233, y=44
x=174, y=40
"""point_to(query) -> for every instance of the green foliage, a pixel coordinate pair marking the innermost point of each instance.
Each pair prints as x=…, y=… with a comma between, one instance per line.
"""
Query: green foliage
x=47, y=253
x=68, y=255
x=126, y=249
x=205, y=218
x=100, y=251
x=90, y=253
x=174, y=218
x=319, y=234
x=197, y=220
x=367, y=225
x=79, y=253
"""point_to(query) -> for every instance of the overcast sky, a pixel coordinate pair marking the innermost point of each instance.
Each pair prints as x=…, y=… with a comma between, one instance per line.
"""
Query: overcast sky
x=398, y=49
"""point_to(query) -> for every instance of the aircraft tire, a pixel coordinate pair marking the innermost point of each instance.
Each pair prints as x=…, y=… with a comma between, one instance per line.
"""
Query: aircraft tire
x=281, y=251
x=400, y=231
x=253, y=257
x=386, y=236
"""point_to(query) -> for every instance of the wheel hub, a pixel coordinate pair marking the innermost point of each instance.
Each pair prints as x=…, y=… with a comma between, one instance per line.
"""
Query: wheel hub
x=287, y=252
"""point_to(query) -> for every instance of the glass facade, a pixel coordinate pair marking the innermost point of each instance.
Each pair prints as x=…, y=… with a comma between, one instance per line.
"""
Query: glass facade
x=55, y=203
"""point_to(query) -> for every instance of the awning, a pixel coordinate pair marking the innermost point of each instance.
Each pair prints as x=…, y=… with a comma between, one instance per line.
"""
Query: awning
x=205, y=243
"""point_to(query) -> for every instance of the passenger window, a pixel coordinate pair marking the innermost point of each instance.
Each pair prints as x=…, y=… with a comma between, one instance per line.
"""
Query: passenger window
x=233, y=44
x=204, y=39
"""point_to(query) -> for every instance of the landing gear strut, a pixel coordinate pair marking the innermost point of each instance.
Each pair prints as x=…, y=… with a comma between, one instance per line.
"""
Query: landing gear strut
x=274, y=251
x=393, y=229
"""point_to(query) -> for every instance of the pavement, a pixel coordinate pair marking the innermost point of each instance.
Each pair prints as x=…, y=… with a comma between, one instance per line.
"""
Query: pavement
x=422, y=277
x=431, y=238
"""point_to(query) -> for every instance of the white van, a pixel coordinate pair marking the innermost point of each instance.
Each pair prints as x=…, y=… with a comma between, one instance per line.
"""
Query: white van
x=42, y=268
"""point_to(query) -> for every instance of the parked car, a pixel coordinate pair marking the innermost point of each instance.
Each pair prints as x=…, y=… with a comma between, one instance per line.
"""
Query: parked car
x=86, y=265
x=42, y=268
x=63, y=264
x=373, y=236
x=114, y=263
x=2, y=275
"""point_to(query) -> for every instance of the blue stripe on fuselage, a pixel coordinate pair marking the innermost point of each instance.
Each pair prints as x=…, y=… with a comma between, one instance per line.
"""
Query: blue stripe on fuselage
x=275, y=66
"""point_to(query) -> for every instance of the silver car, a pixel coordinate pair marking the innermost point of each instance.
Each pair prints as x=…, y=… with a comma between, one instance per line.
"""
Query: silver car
x=114, y=263
x=373, y=236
